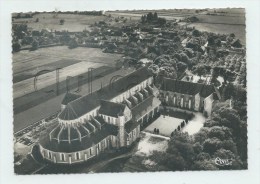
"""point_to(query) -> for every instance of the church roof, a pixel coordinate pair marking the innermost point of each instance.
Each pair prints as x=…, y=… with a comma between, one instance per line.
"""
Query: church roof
x=86, y=103
x=131, y=125
x=69, y=97
x=88, y=138
x=111, y=109
x=145, y=106
x=188, y=88
x=68, y=113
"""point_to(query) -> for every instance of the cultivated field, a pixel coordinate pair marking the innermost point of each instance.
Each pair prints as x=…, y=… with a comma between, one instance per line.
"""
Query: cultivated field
x=73, y=22
x=76, y=61
x=223, y=21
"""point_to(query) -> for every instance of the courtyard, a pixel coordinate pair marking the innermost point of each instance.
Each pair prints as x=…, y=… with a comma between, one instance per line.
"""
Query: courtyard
x=167, y=124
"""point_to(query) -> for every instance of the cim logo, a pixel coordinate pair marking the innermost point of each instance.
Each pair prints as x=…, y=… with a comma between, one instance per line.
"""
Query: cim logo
x=223, y=162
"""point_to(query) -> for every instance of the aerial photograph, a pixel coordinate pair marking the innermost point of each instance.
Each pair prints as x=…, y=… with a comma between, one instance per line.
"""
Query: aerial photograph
x=129, y=91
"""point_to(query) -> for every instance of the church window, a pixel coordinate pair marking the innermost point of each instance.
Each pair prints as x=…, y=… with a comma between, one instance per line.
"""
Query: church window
x=62, y=156
x=50, y=156
x=77, y=155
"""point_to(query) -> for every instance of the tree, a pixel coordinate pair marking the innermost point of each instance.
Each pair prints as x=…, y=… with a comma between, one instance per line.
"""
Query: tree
x=204, y=165
x=155, y=16
x=73, y=44
x=222, y=133
x=200, y=70
x=16, y=46
x=197, y=148
x=143, y=19
x=202, y=135
x=184, y=58
x=181, y=66
x=35, y=45
x=228, y=91
x=202, y=156
x=196, y=33
x=62, y=21
x=161, y=21
x=149, y=17
x=211, y=145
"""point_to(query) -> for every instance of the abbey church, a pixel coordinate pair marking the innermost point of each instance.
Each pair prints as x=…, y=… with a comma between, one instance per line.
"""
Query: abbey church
x=113, y=116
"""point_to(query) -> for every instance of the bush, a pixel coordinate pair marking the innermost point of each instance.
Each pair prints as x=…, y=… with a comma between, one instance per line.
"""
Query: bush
x=62, y=21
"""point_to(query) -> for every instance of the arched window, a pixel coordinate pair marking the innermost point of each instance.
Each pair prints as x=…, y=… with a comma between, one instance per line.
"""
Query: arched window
x=77, y=155
x=108, y=119
x=50, y=156
x=62, y=156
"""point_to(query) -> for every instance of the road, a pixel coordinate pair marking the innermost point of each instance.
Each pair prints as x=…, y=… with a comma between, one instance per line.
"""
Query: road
x=49, y=107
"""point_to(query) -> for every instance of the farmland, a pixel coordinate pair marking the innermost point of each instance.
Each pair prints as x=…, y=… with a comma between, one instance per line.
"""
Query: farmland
x=73, y=23
x=222, y=21
x=26, y=62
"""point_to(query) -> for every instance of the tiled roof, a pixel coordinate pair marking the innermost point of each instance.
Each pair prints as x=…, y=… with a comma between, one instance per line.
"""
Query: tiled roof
x=88, y=102
x=188, y=88
x=76, y=144
x=111, y=109
x=69, y=97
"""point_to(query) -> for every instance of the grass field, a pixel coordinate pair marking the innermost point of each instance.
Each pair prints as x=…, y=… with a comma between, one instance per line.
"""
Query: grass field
x=73, y=22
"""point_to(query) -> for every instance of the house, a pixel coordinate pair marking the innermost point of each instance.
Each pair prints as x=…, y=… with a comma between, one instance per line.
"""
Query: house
x=236, y=43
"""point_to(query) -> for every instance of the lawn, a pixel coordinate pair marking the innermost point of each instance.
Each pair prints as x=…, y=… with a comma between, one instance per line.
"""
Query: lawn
x=165, y=124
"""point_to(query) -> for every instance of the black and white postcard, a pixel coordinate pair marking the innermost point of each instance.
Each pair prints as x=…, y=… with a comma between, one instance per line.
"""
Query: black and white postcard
x=130, y=90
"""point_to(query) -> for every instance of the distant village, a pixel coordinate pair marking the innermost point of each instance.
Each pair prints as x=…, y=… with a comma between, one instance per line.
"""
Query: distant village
x=145, y=41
